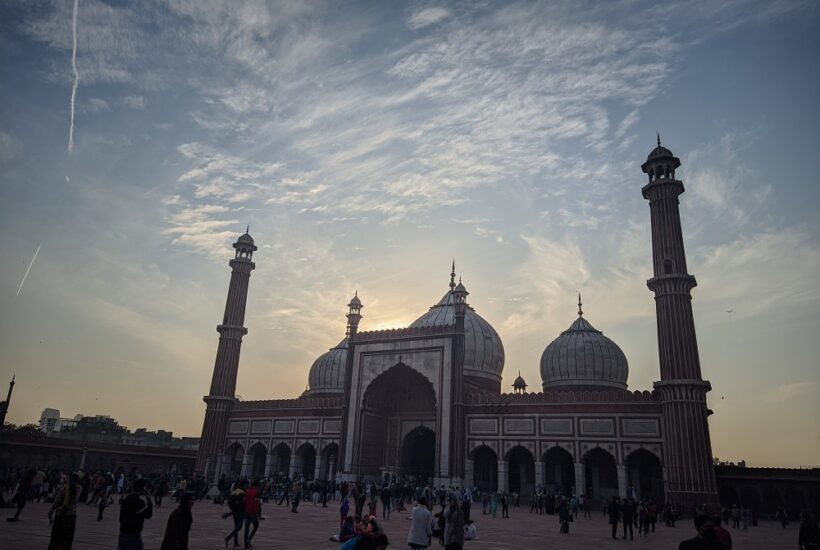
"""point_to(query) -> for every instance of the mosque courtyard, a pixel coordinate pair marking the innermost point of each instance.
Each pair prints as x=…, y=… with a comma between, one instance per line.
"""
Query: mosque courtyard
x=313, y=525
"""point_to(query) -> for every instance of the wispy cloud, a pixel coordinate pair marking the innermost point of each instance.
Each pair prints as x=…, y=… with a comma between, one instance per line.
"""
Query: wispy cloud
x=426, y=16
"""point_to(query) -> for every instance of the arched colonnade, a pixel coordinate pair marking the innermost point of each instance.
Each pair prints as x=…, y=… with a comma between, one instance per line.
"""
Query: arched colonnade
x=257, y=461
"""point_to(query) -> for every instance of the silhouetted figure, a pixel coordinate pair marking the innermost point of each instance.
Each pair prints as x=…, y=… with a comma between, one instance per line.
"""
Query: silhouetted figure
x=179, y=525
x=134, y=510
x=63, y=514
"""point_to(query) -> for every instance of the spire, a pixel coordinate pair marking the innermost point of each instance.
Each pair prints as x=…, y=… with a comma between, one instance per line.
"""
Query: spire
x=580, y=311
x=659, y=138
x=248, y=228
x=453, y=275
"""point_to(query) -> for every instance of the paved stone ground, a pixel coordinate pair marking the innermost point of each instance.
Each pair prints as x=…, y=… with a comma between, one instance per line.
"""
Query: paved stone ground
x=312, y=526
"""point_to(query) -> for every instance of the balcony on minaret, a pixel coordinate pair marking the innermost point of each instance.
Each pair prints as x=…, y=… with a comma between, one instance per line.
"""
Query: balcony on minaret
x=244, y=246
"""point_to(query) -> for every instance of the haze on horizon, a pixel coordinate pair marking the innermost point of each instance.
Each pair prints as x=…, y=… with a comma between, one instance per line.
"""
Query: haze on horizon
x=367, y=144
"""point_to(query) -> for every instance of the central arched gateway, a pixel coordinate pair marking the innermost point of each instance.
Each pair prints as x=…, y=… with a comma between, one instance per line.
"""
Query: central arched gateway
x=397, y=425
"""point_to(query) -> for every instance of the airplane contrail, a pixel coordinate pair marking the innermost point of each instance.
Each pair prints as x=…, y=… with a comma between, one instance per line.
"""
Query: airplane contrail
x=76, y=78
x=29, y=269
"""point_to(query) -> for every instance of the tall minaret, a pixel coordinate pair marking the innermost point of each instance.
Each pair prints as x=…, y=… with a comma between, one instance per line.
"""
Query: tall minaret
x=458, y=440
x=221, y=398
x=4, y=405
x=690, y=477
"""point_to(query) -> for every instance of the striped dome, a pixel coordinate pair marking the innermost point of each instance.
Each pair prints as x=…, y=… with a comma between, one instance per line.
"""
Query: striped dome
x=327, y=374
x=483, y=350
x=583, y=356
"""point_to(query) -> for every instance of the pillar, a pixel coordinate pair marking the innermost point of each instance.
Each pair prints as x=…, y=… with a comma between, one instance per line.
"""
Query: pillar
x=317, y=468
x=502, y=476
x=331, y=469
x=539, y=473
x=292, y=466
x=247, y=464
x=622, y=480
x=268, y=464
x=218, y=469
x=469, y=473
x=580, y=478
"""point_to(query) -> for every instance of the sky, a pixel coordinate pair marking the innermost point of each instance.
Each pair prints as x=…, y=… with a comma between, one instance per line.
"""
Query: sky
x=367, y=144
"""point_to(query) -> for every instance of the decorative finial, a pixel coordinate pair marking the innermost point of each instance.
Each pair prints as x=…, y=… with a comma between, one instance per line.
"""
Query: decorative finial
x=356, y=293
x=580, y=311
x=248, y=228
x=659, y=139
x=453, y=275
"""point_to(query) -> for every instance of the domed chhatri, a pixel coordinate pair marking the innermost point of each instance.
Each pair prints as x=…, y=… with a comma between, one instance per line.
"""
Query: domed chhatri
x=583, y=358
x=483, y=350
x=519, y=384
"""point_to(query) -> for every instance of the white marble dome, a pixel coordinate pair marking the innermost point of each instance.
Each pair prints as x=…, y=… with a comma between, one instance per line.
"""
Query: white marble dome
x=582, y=357
x=483, y=350
x=327, y=374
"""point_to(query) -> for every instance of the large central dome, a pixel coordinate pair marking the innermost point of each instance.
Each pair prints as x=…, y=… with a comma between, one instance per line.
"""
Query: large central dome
x=483, y=350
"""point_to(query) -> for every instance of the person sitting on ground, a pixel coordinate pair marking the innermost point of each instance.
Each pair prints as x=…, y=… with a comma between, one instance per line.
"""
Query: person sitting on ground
x=347, y=531
x=470, y=530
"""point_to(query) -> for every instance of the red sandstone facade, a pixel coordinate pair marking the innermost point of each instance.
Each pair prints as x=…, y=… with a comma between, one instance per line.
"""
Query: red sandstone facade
x=426, y=400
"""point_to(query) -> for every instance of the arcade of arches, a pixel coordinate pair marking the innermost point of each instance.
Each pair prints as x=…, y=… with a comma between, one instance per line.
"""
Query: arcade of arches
x=257, y=462
x=599, y=474
x=398, y=419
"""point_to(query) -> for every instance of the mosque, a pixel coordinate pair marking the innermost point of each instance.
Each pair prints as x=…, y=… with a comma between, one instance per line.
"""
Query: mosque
x=426, y=400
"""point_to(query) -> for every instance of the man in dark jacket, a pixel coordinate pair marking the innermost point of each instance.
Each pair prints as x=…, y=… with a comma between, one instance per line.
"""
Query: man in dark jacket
x=134, y=510
x=628, y=510
x=613, y=510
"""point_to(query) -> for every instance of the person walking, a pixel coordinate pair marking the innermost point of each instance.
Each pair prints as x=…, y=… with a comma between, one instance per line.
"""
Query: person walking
x=613, y=510
x=628, y=515
x=297, y=496
x=21, y=495
x=454, y=526
x=134, y=510
x=385, y=498
x=179, y=525
x=236, y=504
x=421, y=526
x=493, y=504
x=505, y=506
x=782, y=516
x=63, y=514
x=564, y=516
x=253, y=506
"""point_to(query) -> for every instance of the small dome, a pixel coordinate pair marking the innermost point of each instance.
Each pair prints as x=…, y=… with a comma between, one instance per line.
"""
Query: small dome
x=519, y=382
x=245, y=238
x=483, y=350
x=583, y=356
x=355, y=301
x=659, y=152
x=327, y=374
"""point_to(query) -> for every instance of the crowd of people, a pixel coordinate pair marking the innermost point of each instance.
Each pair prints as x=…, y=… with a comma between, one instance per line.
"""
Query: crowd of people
x=444, y=513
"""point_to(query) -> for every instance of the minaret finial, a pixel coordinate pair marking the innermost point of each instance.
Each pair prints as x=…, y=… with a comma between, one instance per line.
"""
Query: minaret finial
x=453, y=275
x=580, y=311
x=659, y=138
